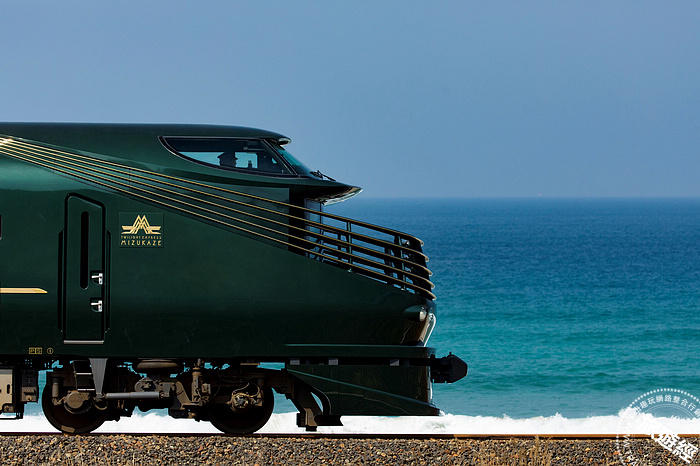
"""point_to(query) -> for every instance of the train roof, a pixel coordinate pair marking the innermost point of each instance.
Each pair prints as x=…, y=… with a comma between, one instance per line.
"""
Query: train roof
x=95, y=137
x=137, y=142
x=142, y=128
x=143, y=146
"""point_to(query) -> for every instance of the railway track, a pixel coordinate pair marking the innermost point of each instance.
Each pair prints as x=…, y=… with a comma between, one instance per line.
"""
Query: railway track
x=341, y=436
x=324, y=448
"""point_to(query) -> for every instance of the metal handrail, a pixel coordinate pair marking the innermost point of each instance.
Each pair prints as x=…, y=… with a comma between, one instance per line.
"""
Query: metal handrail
x=335, y=240
x=399, y=264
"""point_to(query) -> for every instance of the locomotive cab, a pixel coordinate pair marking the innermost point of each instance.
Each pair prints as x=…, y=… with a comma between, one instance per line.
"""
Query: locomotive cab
x=158, y=266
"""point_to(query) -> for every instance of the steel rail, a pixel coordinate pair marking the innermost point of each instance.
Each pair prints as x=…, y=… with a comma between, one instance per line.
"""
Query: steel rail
x=356, y=436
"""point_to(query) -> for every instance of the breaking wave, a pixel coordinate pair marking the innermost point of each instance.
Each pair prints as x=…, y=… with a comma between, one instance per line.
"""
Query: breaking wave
x=627, y=421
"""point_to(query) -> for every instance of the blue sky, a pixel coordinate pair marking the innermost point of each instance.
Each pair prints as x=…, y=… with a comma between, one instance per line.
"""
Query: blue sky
x=428, y=99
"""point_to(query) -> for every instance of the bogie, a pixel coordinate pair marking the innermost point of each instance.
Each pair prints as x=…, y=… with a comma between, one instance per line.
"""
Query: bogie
x=235, y=401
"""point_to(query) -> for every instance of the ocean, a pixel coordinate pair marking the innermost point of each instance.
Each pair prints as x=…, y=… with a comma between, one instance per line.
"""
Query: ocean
x=566, y=311
x=572, y=307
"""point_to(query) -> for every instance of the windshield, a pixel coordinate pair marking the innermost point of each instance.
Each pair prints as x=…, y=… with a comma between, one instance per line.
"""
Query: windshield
x=291, y=160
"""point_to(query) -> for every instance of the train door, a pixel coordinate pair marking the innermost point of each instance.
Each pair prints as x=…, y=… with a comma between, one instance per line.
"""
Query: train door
x=84, y=273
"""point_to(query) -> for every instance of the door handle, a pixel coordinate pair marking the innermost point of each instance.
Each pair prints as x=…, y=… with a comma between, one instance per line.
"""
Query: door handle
x=97, y=277
x=96, y=305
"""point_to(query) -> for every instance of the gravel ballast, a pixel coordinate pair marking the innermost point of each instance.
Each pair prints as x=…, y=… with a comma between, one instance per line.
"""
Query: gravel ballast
x=225, y=450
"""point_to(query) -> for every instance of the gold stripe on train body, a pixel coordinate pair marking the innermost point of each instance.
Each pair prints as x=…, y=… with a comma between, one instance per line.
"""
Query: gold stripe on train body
x=401, y=271
x=22, y=291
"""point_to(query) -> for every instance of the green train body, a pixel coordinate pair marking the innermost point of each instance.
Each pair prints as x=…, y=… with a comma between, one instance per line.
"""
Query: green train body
x=161, y=266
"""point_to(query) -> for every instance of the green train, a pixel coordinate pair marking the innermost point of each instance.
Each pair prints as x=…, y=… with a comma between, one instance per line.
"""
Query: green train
x=192, y=268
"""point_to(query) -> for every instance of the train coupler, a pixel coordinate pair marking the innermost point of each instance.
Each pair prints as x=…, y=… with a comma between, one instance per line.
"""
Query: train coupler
x=447, y=369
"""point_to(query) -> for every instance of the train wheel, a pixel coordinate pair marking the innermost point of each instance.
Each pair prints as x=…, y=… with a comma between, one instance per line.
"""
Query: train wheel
x=240, y=422
x=84, y=417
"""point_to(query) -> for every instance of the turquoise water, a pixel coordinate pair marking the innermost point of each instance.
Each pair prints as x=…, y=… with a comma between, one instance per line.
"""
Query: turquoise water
x=573, y=307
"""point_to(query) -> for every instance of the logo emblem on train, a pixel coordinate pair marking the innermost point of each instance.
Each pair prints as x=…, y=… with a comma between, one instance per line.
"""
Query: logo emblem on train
x=140, y=233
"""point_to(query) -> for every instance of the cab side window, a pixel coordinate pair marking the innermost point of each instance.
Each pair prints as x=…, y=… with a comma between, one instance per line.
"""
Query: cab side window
x=245, y=155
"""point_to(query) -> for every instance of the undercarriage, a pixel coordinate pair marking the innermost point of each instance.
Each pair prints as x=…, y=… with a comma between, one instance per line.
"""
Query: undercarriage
x=237, y=398
x=80, y=396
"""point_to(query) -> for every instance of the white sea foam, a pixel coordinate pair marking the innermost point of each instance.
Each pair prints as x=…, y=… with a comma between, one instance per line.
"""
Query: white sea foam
x=625, y=422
